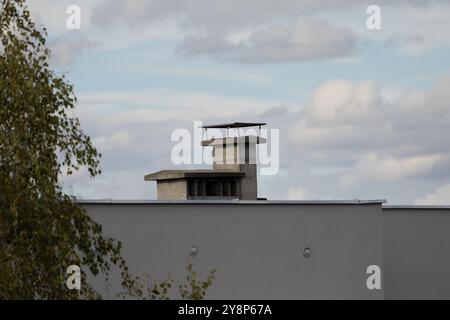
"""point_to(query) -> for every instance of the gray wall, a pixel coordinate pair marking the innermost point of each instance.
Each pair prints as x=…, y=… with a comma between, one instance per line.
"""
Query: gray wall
x=416, y=246
x=256, y=247
x=172, y=189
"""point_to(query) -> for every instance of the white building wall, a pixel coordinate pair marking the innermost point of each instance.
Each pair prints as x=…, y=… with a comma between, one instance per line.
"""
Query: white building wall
x=256, y=247
x=416, y=248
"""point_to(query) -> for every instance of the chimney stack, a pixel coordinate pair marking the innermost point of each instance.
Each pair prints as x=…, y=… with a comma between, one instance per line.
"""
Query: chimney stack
x=233, y=176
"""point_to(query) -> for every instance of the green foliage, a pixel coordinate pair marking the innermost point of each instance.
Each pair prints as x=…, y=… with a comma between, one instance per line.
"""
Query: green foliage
x=43, y=230
x=195, y=289
x=155, y=290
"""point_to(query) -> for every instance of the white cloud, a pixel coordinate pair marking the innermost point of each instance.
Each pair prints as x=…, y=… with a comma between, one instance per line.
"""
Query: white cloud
x=152, y=106
x=53, y=14
x=344, y=102
x=251, y=31
x=375, y=167
x=261, y=31
x=343, y=114
x=67, y=47
x=227, y=14
x=347, y=115
x=376, y=145
x=344, y=129
x=369, y=143
x=118, y=139
x=132, y=130
x=298, y=193
x=415, y=30
x=301, y=40
x=426, y=105
x=409, y=44
x=440, y=196
x=255, y=31
x=253, y=78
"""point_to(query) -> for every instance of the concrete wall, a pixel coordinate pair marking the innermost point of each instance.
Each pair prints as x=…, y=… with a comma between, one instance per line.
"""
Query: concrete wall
x=416, y=246
x=257, y=247
x=249, y=184
x=172, y=189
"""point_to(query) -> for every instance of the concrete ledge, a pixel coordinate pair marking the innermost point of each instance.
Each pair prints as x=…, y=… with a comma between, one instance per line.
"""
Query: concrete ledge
x=231, y=202
x=183, y=174
x=418, y=207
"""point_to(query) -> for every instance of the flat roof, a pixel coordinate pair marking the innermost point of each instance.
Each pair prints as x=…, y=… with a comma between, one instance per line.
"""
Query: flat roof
x=416, y=207
x=183, y=174
x=235, y=125
x=233, y=140
x=232, y=202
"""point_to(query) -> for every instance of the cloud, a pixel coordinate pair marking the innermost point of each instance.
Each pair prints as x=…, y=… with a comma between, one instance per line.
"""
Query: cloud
x=372, y=166
x=348, y=141
x=343, y=114
x=409, y=44
x=339, y=132
x=298, y=193
x=132, y=130
x=349, y=115
x=118, y=139
x=67, y=47
x=267, y=31
x=157, y=105
x=53, y=14
x=254, y=31
x=415, y=30
x=344, y=102
x=441, y=196
x=250, y=32
x=303, y=40
x=226, y=14
x=369, y=145
x=214, y=74
x=426, y=106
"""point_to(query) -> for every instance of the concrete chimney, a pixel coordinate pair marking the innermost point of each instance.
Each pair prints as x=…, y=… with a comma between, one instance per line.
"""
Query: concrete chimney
x=233, y=176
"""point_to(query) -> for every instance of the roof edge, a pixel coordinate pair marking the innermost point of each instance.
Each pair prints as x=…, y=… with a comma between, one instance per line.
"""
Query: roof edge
x=232, y=202
x=416, y=207
x=183, y=174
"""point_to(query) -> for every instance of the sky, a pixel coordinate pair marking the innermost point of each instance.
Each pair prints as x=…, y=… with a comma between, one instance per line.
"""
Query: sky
x=361, y=114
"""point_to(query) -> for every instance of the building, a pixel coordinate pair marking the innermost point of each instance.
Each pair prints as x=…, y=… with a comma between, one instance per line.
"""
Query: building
x=265, y=249
x=233, y=175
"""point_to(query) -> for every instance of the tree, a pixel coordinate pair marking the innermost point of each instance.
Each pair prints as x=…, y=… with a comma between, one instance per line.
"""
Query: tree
x=192, y=289
x=195, y=289
x=42, y=229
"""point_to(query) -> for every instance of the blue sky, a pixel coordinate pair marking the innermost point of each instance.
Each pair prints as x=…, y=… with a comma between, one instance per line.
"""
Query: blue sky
x=361, y=113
